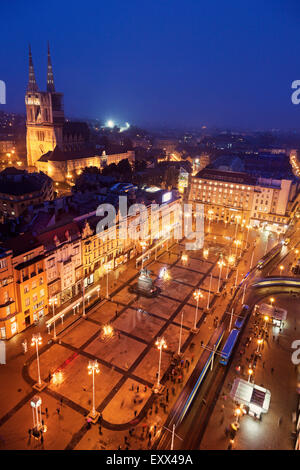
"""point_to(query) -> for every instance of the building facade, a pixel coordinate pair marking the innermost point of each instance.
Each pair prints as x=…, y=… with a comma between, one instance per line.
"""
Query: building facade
x=258, y=201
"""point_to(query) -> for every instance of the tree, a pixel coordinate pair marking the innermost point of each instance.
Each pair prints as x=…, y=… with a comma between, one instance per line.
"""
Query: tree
x=124, y=167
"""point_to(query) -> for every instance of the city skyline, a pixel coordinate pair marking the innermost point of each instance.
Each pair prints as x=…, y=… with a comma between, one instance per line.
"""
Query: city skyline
x=199, y=67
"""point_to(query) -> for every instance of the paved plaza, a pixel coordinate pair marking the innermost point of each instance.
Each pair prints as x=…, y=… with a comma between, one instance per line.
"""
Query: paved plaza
x=128, y=359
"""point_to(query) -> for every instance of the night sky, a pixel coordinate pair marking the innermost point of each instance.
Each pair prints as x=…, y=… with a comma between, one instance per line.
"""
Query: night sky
x=160, y=62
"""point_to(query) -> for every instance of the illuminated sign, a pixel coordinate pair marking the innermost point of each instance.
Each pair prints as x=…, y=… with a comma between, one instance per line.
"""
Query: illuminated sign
x=167, y=197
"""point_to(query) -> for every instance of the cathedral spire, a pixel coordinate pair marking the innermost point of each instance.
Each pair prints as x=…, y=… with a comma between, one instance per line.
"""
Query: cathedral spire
x=50, y=79
x=32, y=85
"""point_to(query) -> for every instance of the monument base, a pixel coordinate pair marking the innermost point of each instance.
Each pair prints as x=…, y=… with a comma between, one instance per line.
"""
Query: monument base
x=158, y=389
x=93, y=417
x=39, y=387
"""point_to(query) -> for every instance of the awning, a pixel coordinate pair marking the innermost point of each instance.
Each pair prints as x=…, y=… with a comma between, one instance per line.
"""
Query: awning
x=249, y=394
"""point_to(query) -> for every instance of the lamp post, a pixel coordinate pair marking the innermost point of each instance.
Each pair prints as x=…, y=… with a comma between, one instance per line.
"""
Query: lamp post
x=36, y=405
x=272, y=300
x=93, y=368
x=220, y=264
x=248, y=228
x=250, y=372
x=230, y=323
x=209, y=290
x=237, y=243
x=281, y=268
x=238, y=413
x=37, y=341
x=266, y=318
x=107, y=269
x=53, y=302
x=197, y=295
x=259, y=342
x=161, y=344
x=184, y=259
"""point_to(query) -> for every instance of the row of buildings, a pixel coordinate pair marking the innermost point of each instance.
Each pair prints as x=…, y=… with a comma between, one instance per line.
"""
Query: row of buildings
x=63, y=261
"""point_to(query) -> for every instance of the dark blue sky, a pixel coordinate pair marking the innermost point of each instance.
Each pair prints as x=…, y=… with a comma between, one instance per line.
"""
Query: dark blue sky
x=177, y=63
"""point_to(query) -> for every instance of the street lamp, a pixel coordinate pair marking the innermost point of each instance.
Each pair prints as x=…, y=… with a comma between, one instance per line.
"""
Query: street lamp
x=272, y=300
x=37, y=341
x=236, y=243
x=266, y=318
x=93, y=368
x=230, y=261
x=281, y=268
x=205, y=253
x=248, y=228
x=238, y=413
x=250, y=372
x=197, y=295
x=220, y=264
x=209, y=290
x=161, y=344
x=259, y=342
x=108, y=331
x=107, y=269
x=53, y=302
x=184, y=258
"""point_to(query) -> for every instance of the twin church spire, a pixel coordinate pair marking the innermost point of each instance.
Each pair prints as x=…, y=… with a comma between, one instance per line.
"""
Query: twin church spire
x=32, y=84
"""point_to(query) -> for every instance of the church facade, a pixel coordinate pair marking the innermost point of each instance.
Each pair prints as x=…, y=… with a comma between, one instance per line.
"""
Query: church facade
x=54, y=145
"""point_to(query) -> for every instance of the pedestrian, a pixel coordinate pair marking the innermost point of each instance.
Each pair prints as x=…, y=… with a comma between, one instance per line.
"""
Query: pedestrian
x=145, y=389
x=61, y=401
x=100, y=429
x=135, y=413
x=46, y=411
x=138, y=388
x=58, y=410
x=272, y=370
x=263, y=365
x=280, y=421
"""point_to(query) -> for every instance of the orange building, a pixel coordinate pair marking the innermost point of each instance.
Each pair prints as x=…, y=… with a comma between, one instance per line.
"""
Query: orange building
x=31, y=293
x=8, y=306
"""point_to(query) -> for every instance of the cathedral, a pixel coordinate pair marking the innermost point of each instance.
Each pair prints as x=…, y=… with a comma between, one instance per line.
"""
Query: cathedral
x=46, y=125
x=55, y=146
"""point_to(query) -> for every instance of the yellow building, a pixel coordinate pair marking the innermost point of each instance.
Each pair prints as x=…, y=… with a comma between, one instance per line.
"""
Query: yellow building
x=10, y=320
x=30, y=286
